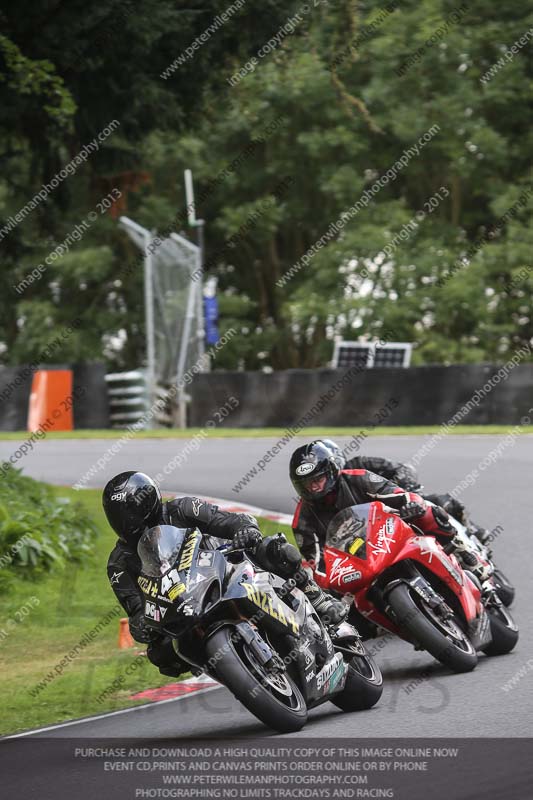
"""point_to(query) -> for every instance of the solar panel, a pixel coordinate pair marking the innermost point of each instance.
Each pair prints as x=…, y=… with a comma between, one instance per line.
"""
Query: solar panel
x=353, y=356
x=371, y=354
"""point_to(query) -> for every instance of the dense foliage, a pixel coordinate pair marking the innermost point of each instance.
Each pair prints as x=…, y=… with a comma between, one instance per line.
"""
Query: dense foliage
x=440, y=256
x=38, y=529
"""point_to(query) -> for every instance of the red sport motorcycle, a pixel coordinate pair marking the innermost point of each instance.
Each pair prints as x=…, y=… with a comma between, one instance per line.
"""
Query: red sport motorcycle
x=404, y=581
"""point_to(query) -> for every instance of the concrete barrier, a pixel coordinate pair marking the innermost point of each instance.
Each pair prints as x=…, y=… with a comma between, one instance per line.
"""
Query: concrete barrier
x=425, y=396
x=90, y=406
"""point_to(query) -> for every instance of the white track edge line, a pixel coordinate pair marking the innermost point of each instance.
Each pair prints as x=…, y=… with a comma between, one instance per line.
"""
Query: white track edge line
x=110, y=714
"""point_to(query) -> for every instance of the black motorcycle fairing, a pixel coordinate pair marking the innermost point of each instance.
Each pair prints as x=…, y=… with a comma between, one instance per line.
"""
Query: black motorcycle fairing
x=303, y=645
x=255, y=588
x=191, y=592
x=178, y=579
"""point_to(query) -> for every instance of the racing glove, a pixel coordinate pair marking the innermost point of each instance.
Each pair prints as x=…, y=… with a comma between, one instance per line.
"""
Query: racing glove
x=442, y=518
x=411, y=511
x=139, y=629
x=247, y=539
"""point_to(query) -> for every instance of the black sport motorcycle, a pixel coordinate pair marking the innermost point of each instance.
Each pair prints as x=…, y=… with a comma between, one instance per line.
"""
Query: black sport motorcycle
x=247, y=628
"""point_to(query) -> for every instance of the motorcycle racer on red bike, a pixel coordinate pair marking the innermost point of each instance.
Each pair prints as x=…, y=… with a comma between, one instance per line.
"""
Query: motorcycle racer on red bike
x=404, y=581
x=405, y=476
x=325, y=489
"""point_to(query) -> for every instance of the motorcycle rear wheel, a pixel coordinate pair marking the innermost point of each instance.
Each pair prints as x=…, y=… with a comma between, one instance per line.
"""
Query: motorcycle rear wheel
x=452, y=647
x=273, y=699
x=364, y=684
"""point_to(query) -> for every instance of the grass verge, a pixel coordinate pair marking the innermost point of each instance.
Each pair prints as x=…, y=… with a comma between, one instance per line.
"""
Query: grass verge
x=53, y=615
x=231, y=433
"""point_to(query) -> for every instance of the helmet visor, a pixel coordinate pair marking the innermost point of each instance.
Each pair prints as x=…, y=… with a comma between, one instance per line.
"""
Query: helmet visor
x=313, y=487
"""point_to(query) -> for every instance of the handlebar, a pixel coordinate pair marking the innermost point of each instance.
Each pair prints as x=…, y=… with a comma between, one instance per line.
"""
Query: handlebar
x=228, y=549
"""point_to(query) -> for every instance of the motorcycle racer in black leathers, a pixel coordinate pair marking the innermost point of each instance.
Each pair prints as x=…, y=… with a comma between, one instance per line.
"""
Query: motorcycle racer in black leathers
x=132, y=503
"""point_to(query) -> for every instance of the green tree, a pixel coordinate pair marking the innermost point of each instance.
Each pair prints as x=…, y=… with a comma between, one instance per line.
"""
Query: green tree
x=68, y=71
x=277, y=158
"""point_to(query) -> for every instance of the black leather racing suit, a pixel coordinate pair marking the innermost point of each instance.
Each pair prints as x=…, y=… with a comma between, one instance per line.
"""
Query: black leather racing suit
x=124, y=566
x=402, y=474
x=406, y=476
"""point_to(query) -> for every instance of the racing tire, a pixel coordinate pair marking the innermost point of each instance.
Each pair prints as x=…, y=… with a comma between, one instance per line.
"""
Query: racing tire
x=364, y=684
x=275, y=700
x=504, y=588
x=504, y=632
x=457, y=653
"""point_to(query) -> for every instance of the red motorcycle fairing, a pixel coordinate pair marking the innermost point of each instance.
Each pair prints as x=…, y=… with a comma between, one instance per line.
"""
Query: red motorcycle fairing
x=381, y=540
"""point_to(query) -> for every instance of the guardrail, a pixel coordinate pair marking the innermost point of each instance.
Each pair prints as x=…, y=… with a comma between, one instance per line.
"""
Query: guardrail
x=129, y=400
x=128, y=397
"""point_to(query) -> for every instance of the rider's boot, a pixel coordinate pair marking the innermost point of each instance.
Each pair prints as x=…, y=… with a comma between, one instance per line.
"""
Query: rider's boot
x=178, y=668
x=469, y=559
x=275, y=553
x=160, y=652
x=330, y=611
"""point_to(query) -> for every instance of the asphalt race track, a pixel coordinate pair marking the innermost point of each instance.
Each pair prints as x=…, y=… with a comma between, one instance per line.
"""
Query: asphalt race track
x=420, y=698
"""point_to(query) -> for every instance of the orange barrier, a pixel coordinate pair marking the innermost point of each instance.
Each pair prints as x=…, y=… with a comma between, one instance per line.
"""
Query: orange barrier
x=50, y=407
x=124, y=636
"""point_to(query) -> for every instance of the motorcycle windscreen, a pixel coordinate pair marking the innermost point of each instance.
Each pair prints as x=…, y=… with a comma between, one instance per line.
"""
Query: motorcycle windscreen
x=159, y=549
x=347, y=530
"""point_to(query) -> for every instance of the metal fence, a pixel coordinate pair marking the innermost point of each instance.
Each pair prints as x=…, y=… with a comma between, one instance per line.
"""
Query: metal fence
x=173, y=314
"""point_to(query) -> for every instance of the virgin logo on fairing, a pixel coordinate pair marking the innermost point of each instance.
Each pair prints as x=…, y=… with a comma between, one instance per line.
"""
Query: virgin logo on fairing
x=384, y=538
x=342, y=570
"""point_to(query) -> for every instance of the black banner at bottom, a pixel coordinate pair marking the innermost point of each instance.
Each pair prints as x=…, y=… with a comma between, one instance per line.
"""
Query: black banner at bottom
x=272, y=768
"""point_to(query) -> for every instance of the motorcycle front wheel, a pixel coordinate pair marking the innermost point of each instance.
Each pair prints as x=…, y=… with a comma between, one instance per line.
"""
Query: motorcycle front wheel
x=444, y=639
x=272, y=697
